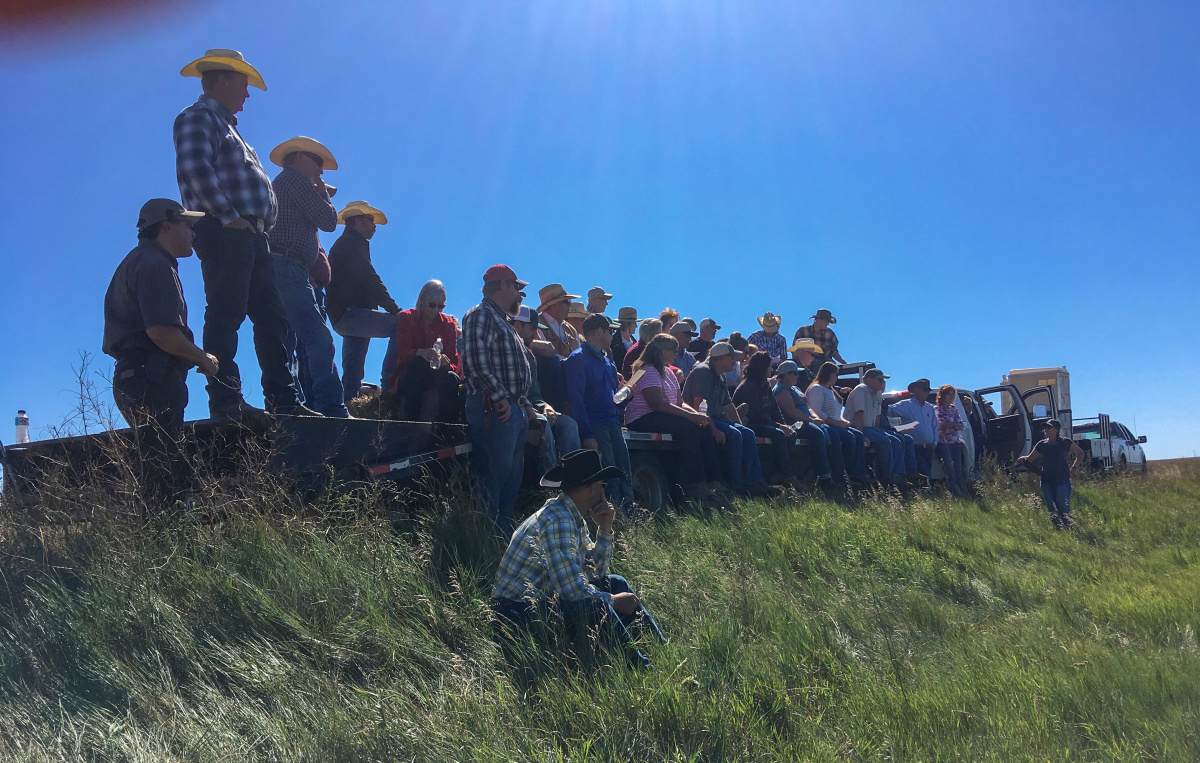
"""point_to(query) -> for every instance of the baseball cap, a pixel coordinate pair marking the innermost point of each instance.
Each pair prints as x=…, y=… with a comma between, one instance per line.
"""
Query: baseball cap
x=875, y=373
x=503, y=273
x=597, y=321
x=721, y=349
x=524, y=314
x=682, y=327
x=709, y=322
x=1055, y=423
x=787, y=367
x=597, y=292
x=161, y=210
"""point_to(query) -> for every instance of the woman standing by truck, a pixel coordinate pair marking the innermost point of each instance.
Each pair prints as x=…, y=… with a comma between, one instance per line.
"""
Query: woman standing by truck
x=1052, y=452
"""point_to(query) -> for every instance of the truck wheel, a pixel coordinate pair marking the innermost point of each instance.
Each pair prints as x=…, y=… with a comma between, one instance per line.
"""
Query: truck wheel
x=1122, y=465
x=650, y=487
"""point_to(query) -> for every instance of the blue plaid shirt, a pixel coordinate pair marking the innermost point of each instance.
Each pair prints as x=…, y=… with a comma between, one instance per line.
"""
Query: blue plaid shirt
x=218, y=172
x=773, y=344
x=551, y=555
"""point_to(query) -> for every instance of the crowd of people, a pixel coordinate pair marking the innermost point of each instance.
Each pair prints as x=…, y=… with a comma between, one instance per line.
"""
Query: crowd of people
x=566, y=368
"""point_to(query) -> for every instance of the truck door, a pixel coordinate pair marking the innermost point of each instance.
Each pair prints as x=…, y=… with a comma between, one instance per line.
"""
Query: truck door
x=1041, y=405
x=1008, y=435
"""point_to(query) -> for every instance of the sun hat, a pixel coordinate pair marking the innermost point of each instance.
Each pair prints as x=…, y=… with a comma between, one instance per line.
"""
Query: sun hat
x=769, y=321
x=503, y=273
x=597, y=292
x=579, y=467
x=598, y=321
x=223, y=59
x=577, y=310
x=307, y=145
x=161, y=210
x=824, y=314
x=627, y=314
x=787, y=367
x=356, y=208
x=553, y=294
x=807, y=345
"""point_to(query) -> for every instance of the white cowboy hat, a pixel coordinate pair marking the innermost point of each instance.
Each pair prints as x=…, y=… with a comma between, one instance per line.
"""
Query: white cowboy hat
x=307, y=145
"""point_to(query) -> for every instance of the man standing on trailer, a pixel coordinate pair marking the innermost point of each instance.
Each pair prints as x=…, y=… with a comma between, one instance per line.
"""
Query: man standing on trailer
x=219, y=174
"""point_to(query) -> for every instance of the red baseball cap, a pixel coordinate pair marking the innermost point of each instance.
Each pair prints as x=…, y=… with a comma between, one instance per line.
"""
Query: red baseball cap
x=503, y=273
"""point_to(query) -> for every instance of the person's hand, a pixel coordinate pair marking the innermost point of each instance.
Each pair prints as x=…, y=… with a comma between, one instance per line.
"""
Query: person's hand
x=603, y=513
x=425, y=354
x=530, y=412
x=208, y=364
x=240, y=224
x=699, y=419
x=625, y=603
x=719, y=436
x=319, y=184
x=542, y=348
x=503, y=408
x=590, y=443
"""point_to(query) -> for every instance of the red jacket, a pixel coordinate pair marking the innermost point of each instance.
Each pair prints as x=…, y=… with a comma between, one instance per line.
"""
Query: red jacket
x=413, y=335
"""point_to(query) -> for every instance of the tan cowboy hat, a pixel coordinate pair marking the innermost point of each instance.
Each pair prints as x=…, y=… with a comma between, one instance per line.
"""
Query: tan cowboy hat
x=770, y=320
x=223, y=59
x=307, y=145
x=806, y=344
x=577, y=310
x=627, y=314
x=356, y=208
x=552, y=294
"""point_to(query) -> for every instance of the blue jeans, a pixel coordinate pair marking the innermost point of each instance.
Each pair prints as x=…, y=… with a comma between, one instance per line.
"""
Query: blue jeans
x=614, y=452
x=357, y=328
x=924, y=455
x=847, y=453
x=1057, y=496
x=818, y=447
x=310, y=332
x=741, y=454
x=558, y=439
x=499, y=456
x=902, y=457
x=780, y=448
x=952, y=463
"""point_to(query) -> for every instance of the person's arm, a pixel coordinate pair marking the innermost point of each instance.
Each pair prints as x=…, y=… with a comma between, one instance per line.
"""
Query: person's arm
x=564, y=574
x=787, y=406
x=1078, y=453
x=406, y=348
x=374, y=286
x=576, y=380
x=172, y=340
x=731, y=414
x=196, y=135
x=1034, y=457
x=312, y=199
x=477, y=357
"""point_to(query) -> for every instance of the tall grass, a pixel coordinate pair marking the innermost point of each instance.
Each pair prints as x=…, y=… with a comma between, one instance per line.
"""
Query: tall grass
x=927, y=629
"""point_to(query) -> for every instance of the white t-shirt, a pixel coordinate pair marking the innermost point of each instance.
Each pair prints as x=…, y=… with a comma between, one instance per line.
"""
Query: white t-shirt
x=823, y=402
x=861, y=398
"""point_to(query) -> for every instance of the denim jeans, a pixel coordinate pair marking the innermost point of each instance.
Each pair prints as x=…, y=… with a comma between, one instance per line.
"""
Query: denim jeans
x=498, y=453
x=951, y=456
x=307, y=322
x=614, y=452
x=847, y=453
x=741, y=454
x=239, y=283
x=780, y=448
x=818, y=448
x=357, y=328
x=1057, y=497
x=901, y=453
x=924, y=456
x=558, y=439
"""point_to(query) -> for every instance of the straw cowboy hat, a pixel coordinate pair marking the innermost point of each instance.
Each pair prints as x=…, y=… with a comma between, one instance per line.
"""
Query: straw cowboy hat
x=356, y=208
x=307, y=145
x=807, y=345
x=552, y=294
x=770, y=321
x=577, y=310
x=627, y=314
x=223, y=60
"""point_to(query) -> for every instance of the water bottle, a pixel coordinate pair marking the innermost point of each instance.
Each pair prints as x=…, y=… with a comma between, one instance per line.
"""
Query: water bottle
x=437, y=352
x=704, y=406
x=22, y=428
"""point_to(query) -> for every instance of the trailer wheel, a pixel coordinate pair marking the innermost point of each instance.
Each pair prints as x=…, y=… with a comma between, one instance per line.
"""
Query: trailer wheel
x=650, y=486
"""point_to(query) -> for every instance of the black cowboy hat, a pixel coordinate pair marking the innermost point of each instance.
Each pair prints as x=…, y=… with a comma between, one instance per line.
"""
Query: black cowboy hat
x=579, y=467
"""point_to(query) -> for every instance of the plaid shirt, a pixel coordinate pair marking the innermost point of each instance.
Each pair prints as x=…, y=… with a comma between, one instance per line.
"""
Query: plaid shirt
x=302, y=210
x=825, y=337
x=773, y=344
x=552, y=555
x=493, y=355
x=218, y=172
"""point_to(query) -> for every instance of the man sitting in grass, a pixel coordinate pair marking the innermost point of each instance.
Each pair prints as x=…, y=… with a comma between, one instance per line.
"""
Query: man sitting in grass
x=552, y=564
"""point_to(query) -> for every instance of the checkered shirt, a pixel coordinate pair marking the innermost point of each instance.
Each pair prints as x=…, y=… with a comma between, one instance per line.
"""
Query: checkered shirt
x=302, y=210
x=218, y=172
x=773, y=344
x=825, y=337
x=551, y=555
x=493, y=355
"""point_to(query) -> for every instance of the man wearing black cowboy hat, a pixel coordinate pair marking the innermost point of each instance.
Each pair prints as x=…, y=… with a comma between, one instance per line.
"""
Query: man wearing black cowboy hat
x=551, y=559
x=819, y=332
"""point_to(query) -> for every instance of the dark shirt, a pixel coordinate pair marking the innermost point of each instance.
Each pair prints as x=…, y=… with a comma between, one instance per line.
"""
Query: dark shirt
x=1055, y=464
x=591, y=382
x=353, y=281
x=302, y=210
x=805, y=378
x=762, y=408
x=144, y=292
x=628, y=359
x=552, y=381
x=707, y=384
x=616, y=350
x=700, y=347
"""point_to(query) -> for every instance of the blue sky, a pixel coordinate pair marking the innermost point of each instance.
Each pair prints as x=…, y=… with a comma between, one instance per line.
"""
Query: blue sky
x=970, y=187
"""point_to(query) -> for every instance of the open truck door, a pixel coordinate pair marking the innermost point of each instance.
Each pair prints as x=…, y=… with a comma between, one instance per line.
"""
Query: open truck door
x=1042, y=407
x=1009, y=435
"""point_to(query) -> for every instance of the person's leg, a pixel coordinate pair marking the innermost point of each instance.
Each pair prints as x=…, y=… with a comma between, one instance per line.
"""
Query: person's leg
x=691, y=457
x=837, y=453
x=751, y=466
x=364, y=325
x=265, y=310
x=857, y=462
x=1048, y=497
x=307, y=324
x=923, y=457
x=483, y=456
x=566, y=434
x=152, y=398
x=618, y=584
x=514, y=433
x=547, y=450
x=295, y=358
x=354, y=360
x=614, y=452
x=909, y=447
x=818, y=449
x=946, y=455
x=595, y=615
x=449, y=392
x=733, y=453
x=415, y=380
x=1062, y=498
x=889, y=450
x=226, y=259
x=778, y=448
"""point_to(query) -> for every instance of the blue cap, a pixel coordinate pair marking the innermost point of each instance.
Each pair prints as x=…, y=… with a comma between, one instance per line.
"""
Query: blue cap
x=787, y=367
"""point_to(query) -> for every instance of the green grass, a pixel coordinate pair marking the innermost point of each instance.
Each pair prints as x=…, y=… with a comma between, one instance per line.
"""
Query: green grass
x=919, y=630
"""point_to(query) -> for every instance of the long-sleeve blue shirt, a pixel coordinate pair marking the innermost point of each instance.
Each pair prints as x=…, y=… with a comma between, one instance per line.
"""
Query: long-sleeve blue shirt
x=591, y=383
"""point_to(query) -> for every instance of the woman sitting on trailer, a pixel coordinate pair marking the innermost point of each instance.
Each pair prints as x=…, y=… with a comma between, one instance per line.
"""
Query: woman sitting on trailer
x=428, y=371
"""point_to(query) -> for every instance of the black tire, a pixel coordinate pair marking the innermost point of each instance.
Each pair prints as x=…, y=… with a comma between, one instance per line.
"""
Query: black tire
x=1122, y=465
x=651, y=489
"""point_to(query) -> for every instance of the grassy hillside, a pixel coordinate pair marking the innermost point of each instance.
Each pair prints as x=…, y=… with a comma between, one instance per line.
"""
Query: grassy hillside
x=922, y=630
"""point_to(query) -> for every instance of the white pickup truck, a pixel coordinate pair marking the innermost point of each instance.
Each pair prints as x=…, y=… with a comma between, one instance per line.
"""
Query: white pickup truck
x=1110, y=444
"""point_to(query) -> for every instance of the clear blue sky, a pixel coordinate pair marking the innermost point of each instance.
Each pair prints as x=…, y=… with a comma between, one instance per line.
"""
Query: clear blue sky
x=970, y=187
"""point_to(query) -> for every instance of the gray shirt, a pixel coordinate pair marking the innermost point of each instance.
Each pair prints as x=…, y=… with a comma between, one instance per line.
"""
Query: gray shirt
x=862, y=398
x=703, y=382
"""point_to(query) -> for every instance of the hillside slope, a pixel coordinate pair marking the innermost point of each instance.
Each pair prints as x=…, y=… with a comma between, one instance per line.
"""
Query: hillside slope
x=889, y=630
